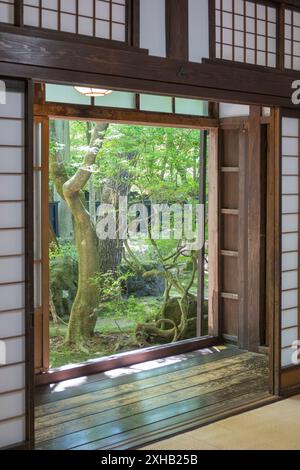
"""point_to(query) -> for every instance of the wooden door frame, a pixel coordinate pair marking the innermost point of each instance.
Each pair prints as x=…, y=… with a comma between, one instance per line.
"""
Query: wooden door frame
x=46, y=111
x=42, y=312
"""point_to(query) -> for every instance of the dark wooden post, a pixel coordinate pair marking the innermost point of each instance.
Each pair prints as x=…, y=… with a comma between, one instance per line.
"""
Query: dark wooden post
x=177, y=29
x=255, y=272
x=19, y=13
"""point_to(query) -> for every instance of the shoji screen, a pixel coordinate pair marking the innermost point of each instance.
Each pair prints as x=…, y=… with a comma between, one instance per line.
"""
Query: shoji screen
x=153, y=27
x=98, y=18
x=290, y=238
x=292, y=40
x=13, y=273
x=7, y=11
x=246, y=32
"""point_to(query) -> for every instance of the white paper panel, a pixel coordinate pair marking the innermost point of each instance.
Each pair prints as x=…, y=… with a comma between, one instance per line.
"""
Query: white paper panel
x=289, y=299
x=12, y=324
x=290, y=242
x=7, y=11
x=289, y=336
x=289, y=280
x=11, y=242
x=198, y=30
x=12, y=270
x=290, y=127
x=11, y=132
x=11, y=160
x=12, y=215
x=12, y=432
x=290, y=223
x=97, y=18
x=12, y=378
x=153, y=27
x=12, y=297
x=15, y=350
x=290, y=205
x=289, y=261
x=233, y=110
x=290, y=185
x=287, y=357
x=14, y=107
x=289, y=318
x=12, y=405
x=290, y=166
x=31, y=16
x=11, y=187
x=290, y=146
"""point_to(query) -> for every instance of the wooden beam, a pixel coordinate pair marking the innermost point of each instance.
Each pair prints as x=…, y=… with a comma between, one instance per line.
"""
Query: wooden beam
x=128, y=116
x=58, y=61
x=177, y=29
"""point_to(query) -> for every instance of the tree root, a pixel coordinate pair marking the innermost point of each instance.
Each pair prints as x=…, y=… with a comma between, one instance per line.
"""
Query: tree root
x=147, y=333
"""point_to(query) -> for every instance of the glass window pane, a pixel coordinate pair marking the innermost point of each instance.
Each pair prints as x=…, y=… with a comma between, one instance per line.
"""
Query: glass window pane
x=157, y=103
x=117, y=99
x=65, y=94
x=191, y=107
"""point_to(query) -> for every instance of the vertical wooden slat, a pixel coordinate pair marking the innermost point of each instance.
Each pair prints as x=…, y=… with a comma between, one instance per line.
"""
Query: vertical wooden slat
x=19, y=13
x=212, y=29
x=277, y=319
x=299, y=229
x=243, y=240
x=133, y=24
x=201, y=263
x=29, y=270
x=45, y=240
x=254, y=228
x=213, y=238
x=280, y=37
x=270, y=253
x=177, y=29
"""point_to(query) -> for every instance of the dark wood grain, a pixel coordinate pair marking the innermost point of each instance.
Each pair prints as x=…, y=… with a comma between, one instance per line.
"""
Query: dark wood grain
x=48, y=394
x=177, y=29
x=215, y=81
x=129, y=412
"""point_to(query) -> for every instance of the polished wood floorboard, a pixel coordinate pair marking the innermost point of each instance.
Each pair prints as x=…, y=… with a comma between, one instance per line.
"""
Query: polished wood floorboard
x=128, y=407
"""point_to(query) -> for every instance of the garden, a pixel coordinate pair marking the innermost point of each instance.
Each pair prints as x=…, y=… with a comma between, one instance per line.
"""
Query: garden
x=122, y=283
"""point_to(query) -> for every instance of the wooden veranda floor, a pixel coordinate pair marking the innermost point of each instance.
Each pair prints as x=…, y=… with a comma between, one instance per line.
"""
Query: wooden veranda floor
x=130, y=407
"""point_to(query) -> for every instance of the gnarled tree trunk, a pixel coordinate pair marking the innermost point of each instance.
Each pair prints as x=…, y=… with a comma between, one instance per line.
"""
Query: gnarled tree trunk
x=83, y=319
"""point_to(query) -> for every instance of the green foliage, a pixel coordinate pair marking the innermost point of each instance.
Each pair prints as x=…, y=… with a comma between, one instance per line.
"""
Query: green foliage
x=162, y=163
x=112, y=302
x=62, y=249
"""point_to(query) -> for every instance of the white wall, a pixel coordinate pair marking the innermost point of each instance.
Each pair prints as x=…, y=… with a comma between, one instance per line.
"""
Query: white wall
x=153, y=27
x=198, y=30
x=12, y=271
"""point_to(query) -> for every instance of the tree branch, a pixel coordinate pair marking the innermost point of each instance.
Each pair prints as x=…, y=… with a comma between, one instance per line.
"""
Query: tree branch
x=83, y=174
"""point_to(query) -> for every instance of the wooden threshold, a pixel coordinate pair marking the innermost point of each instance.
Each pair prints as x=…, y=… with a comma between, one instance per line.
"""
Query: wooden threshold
x=124, y=359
